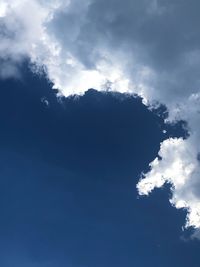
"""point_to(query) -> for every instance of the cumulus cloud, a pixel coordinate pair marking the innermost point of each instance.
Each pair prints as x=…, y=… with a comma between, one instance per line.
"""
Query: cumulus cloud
x=178, y=166
x=146, y=47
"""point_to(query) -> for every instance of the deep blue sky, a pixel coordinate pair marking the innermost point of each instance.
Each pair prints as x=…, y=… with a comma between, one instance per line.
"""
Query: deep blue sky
x=68, y=172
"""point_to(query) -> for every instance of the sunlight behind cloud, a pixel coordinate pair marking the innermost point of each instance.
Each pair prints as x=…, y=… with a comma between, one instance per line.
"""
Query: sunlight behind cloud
x=131, y=48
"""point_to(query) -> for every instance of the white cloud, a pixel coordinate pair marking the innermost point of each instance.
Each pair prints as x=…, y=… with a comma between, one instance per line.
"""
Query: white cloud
x=145, y=47
x=179, y=167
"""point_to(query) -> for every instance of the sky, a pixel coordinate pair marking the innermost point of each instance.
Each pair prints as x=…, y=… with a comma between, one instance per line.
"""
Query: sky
x=99, y=133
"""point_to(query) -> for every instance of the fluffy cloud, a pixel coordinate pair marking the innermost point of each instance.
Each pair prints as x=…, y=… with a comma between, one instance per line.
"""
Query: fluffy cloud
x=146, y=47
x=179, y=167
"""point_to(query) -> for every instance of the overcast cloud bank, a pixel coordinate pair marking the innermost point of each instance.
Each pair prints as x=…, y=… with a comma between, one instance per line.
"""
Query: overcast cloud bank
x=146, y=47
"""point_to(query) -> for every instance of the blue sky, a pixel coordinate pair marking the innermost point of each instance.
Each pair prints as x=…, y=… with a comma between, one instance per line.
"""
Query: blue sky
x=99, y=133
x=68, y=176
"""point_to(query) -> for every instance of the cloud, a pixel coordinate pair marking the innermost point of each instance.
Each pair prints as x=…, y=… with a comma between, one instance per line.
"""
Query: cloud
x=146, y=47
x=179, y=167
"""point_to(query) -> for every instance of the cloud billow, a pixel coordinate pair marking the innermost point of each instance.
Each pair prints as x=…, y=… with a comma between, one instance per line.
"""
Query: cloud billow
x=150, y=48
